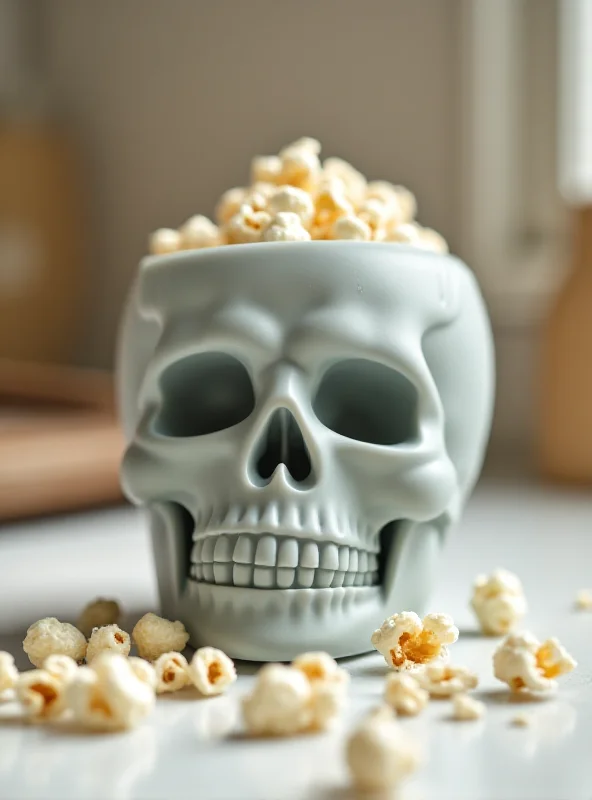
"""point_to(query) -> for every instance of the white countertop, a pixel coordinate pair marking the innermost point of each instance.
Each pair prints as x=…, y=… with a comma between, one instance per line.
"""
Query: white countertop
x=191, y=748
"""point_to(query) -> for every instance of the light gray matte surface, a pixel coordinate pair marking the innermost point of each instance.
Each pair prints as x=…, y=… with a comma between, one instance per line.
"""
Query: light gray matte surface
x=186, y=750
x=291, y=405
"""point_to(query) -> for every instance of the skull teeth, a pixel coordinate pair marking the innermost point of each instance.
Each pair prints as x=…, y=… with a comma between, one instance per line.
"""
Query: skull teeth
x=270, y=562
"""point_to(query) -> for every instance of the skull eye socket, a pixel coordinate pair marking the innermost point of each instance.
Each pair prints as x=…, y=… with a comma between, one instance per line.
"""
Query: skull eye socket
x=368, y=402
x=202, y=394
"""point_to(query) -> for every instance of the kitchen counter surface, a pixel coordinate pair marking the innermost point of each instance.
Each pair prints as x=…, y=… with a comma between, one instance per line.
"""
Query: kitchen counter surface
x=191, y=747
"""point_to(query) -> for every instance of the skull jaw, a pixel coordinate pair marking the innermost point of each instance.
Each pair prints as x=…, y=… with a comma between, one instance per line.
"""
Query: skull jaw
x=278, y=624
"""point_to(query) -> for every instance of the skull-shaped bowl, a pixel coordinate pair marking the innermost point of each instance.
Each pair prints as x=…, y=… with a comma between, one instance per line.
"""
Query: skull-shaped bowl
x=305, y=421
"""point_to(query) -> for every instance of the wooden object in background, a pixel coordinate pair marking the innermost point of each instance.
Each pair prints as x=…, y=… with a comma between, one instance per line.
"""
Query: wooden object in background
x=565, y=434
x=60, y=443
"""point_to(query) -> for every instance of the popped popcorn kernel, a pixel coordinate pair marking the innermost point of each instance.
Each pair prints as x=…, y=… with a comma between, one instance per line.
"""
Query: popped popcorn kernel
x=405, y=641
x=520, y=721
x=247, y=225
x=498, y=602
x=98, y=613
x=398, y=196
x=286, y=227
x=164, y=241
x=466, y=708
x=290, y=198
x=143, y=670
x=48, y=636
x=429, y=239
x=229, y=204
x=328, y=683
x=584, y=600
x=354, y=183
x=211, y=671
x=523, y=662
x=171, y=672
x=445, y=680
x=377, y=215
x=279, y=703
x=380, y=753
x=40, y=694
x=406, y=233
x=108, y=695
x=300, y=164
x=109, y=637
x=266, y=169
x=404, y=694
x=199, y=232
x=258, y=196
x=62, y=668
x=8, y=671
x=351, y=227
x=331, y=203
x=154, y=635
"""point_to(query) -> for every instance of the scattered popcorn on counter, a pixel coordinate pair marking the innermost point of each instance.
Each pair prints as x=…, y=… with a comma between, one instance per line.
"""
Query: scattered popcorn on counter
x=40, y=694
x=498, y=601
x=154, y=636
x=405, y=641
x=211, y=671
x=109, y=637
x=520, y=721
x=333, y=201
x=584, y=600
x=523, y=662
x=108, y=695
x=48, y=636
x=171, y=672
x=466, y=708
x=98, y=613
x=62, y=668
x=328, y=683
x=404, y=694
x=319, y=666
x=445, y=680
x=8, y=672
x=380, y=753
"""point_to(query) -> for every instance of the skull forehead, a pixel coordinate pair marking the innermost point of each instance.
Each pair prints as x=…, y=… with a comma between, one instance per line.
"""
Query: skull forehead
x=287, y=281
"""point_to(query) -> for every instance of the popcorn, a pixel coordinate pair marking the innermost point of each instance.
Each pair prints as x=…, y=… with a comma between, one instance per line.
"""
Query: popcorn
x=211, y=671
x=584, y=600
x=397, y=196
x=380, y=753
x=445, y=680
x=109, y=637
x=404, y=694
x=279, y=704
x=154, y=636
x=8, y=672
x=48, y=636
x=266, y=169
x=353, y=181
x=406, y=641
x=328, y=683
x=164, y=241
x=465, y=708
x=98, y=613
x=199, y=232
x=351, y=227
x=108, y=695
x=333, y=200
x=247, y=225
x=229, y=204
x=40, y=694
x=300, y=165
x=290, y=198
x=143, y=670
x=62, y=668
x=523, y=662
x=498, y=601
x=286, y=227
x=171, y=672
x=520, y=721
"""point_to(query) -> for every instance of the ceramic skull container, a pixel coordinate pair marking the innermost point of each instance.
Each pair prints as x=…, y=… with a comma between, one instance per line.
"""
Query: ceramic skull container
x=305, y=421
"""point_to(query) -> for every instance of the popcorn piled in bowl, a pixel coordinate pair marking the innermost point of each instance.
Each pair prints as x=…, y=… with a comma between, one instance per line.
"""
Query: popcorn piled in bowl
x=294, y=197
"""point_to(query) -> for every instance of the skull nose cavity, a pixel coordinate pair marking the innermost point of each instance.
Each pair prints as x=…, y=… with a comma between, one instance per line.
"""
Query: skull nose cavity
x=281, y=442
